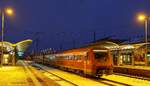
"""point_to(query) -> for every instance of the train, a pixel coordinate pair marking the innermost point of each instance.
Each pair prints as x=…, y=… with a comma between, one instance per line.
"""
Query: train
x=86, y=61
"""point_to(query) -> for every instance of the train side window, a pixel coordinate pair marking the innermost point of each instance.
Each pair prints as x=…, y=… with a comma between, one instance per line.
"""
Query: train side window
x=75, y=57
x=67, y=58
x=72, y=56
x=78, y=57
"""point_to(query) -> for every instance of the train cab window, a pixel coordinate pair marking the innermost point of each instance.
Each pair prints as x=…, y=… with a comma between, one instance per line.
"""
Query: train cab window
x=100, y=54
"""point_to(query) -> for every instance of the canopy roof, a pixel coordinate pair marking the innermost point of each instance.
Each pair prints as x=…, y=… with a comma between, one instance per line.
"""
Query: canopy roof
x=20, y=46
x=133, y=46
x=104, y=44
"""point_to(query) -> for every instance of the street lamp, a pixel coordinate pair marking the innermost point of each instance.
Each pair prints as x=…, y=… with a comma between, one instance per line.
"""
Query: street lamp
x=9, y=11
x=145, y=18
x=4, y=11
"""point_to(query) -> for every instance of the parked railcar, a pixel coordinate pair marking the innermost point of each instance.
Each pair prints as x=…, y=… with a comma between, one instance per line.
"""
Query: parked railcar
x=88, y=61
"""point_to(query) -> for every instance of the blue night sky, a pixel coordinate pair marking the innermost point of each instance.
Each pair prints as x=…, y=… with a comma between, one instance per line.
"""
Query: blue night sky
x=57, y=22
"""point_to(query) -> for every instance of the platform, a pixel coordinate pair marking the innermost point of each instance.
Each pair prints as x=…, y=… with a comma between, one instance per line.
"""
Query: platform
x=14, y=76
x=22, y=75
x=133, y=70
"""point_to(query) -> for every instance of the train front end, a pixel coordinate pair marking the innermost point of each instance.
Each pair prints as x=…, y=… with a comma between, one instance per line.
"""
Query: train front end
x=103, y=63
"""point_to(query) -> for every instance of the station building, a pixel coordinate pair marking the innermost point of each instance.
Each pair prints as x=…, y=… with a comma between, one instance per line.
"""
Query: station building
x=126, y=52
x=10, y=51
x=134, y=53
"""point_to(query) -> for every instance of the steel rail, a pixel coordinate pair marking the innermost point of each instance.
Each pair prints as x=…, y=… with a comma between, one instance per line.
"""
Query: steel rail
x=56, y=75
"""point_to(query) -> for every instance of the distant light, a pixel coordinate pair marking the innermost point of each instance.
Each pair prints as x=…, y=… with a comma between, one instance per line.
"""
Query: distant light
x=20, y=53
x=141, y=17
x=11, y=53
x=148, y=55
x=6, y=55
x=128, y=47
x=9, y=11
x=100, y=50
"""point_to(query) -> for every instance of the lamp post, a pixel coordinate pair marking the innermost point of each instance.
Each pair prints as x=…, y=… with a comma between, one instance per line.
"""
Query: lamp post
x=8, y=11
x=145, y=18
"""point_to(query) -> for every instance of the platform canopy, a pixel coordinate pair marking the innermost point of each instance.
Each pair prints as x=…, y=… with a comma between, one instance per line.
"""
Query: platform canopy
x=104, y=44
x=20, y=46
x=134, y=46
x=8, y=46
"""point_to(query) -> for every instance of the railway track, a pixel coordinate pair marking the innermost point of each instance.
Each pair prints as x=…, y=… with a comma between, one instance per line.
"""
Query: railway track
x=126, y=80
x=103, y=80
x=111, y=82
x=32, y=78
x=55, y=77
x=132, y=76
x=118, y=83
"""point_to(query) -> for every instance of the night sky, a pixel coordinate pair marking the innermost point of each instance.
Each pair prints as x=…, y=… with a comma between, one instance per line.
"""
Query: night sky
x=56, y=22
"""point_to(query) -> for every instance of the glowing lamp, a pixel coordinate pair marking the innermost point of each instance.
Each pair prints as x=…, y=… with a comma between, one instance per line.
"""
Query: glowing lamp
x=141, y=17
x=9, y=11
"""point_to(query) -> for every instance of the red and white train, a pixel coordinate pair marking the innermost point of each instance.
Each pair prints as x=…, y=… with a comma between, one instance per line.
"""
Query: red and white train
x=88, y=61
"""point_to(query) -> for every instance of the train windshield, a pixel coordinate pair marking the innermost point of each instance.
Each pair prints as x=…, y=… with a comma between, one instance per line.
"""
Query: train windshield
x=100, y=54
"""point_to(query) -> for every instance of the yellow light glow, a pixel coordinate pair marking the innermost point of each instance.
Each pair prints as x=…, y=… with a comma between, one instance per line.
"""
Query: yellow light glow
x=6, y=55
x=9, y=11
x=141, y=17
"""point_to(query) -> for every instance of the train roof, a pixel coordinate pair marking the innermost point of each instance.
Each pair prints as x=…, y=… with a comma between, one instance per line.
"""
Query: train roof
x=81, y=50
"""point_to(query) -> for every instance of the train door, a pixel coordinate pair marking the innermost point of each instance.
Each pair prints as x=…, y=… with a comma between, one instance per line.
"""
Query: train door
x=86, y=61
